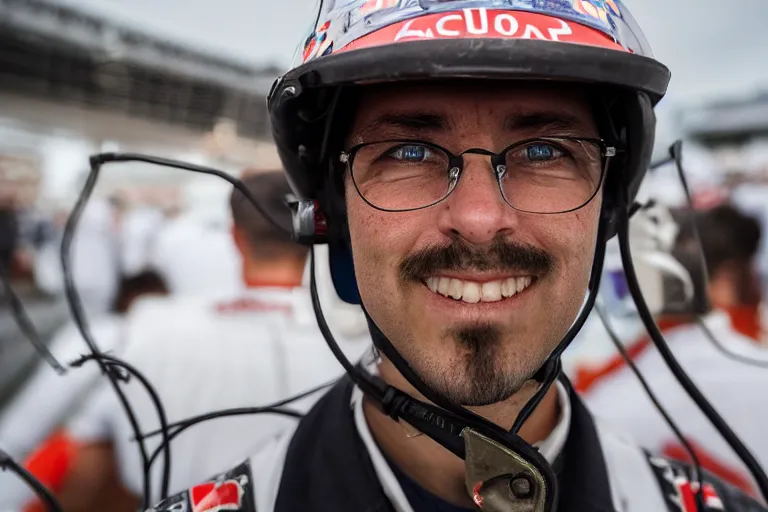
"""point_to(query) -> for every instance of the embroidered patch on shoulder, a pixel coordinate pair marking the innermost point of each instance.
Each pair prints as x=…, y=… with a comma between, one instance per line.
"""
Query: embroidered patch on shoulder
x=679, y=491
x=230, y=491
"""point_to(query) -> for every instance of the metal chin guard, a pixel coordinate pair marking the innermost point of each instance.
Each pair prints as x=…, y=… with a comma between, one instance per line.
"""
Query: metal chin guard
x=498, y=479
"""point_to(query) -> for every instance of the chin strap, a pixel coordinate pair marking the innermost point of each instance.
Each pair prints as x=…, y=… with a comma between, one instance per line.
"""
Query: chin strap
x=552, y=368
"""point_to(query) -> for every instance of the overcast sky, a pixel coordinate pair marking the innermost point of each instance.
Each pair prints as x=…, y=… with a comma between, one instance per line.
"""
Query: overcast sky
x=712, y=46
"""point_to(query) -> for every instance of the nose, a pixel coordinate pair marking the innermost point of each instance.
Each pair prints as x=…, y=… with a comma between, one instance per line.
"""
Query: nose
x=475, y=210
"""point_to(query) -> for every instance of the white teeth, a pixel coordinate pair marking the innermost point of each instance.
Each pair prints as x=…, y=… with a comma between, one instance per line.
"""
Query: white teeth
x=511, y=287
x=506, y=289
x=491, y=291
x=442, y=287
x=473, y=292
x=455, y=289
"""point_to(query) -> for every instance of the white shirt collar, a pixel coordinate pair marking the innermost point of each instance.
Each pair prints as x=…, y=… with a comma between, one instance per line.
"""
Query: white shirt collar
x=549, y=448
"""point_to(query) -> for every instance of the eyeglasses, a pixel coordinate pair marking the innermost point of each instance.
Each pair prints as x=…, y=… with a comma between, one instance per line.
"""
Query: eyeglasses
x=543, y=175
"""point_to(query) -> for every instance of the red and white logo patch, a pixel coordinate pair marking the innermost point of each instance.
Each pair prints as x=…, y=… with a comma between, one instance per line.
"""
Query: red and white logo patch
x=228, y=491
x=678, y=490
x=216, y=496
x=687, y=492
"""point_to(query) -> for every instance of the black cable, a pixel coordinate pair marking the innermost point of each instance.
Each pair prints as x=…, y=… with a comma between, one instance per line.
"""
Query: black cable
x=676, y=156
x=96, y=162
x=273, y=408
x=658, y=339
x=592, y=291
x=366, y=385
x=78, y=314
x=6, y=462
x=661, y=163
x=26, y=326
x=160, y=410
x=104, y=158
x=280, y=403
x=243, y=411
x=723, y=350
x=648, y=391
x=107, y=363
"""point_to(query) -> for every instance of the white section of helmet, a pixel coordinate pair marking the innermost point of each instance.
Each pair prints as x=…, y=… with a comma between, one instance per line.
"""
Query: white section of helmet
x=652, y=235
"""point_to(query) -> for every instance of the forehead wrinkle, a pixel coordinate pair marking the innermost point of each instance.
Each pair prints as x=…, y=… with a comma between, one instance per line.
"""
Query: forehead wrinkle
x=405, y=123
x=549, y=123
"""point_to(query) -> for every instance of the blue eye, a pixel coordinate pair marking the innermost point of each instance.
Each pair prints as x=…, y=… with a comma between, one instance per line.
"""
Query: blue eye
x=542, y=152
x=412, y=154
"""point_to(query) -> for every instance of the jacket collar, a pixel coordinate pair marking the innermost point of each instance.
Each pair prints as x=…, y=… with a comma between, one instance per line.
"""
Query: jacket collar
x=328, y=467
x=583, y=475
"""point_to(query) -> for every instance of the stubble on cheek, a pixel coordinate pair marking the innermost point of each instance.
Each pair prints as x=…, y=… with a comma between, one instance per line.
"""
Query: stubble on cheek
x=577, y=263
x=373, y=238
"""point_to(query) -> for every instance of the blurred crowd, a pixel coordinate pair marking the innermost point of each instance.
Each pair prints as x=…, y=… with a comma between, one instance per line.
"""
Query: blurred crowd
x=223, y=309
x=120, y=253
x=219, y=317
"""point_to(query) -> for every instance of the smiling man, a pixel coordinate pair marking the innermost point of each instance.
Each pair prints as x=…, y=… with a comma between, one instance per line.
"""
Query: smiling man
x=462, y=287
x=466, y=162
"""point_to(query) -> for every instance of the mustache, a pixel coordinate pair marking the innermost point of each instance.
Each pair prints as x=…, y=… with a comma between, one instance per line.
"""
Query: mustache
x=459, y=255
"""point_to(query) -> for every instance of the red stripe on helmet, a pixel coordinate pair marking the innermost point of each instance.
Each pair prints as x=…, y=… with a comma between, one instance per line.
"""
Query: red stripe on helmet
x=485, y=23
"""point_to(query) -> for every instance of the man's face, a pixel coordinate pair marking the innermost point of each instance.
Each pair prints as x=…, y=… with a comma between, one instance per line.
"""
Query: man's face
x=431, y=278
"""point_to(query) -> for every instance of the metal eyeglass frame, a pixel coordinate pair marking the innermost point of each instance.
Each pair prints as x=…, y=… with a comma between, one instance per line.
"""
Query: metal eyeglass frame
x=456, y=167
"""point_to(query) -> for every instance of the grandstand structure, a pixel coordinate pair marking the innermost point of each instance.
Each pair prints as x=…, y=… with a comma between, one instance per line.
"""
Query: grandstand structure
x=735, y=131
x=72, y=83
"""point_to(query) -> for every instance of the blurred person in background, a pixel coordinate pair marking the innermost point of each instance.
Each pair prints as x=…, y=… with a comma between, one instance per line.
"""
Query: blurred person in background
x=29, y=423
x=729, y=240
x=750, y=197
x=183, y=251
x=211, y=352
x=139, y=234
x=96, y=267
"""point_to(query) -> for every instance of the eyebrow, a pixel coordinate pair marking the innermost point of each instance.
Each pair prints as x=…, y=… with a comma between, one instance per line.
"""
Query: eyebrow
x=545, y=122
x=407, y=121
x=561, y=123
